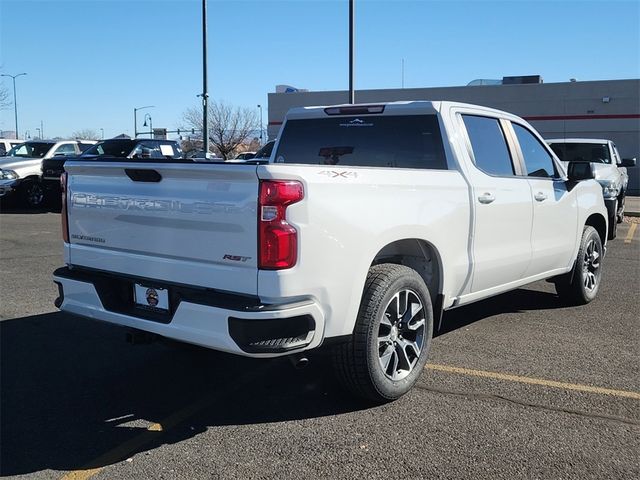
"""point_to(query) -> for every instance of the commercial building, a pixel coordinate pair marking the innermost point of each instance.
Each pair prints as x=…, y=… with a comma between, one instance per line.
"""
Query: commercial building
x=595, y=109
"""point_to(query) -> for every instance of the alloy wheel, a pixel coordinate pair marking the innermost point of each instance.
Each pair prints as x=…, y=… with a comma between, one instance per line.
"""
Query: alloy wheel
x=401, y=334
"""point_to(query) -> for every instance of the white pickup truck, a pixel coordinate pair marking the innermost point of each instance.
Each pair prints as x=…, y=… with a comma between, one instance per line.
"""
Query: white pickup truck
x=610, y=170
x=364, y=225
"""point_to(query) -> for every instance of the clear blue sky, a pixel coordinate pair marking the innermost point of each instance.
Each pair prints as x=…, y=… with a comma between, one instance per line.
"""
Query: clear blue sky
x=90, y=62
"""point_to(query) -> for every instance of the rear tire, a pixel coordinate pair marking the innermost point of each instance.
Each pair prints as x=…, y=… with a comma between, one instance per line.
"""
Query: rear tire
x=580, y=286
x=388, y=349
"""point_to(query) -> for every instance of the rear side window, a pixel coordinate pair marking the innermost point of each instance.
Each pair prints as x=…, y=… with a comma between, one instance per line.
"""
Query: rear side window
x=3, y=150
x=537, y=159
x=411, y=141
x=490, y=151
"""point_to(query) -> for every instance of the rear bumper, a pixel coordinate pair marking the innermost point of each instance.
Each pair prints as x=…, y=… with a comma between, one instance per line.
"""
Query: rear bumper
x=279, y=329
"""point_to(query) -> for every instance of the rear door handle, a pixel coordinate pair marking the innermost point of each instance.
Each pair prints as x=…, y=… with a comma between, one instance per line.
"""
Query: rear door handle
x=486, y=198
x=540, y=197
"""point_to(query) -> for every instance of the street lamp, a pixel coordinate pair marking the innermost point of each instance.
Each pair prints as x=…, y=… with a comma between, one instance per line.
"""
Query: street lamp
x=15, y=101
x=27, y=135
x=135, y=119
x=39, y=133
x=260, y=107
x=147, y=116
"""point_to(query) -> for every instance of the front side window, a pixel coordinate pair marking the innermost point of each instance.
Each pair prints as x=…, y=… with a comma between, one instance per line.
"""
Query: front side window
x=67, y=149
x=490, y=151
x=410, y=141
x=538, y=162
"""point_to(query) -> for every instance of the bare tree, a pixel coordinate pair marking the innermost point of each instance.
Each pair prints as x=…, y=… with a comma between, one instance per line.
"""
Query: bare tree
x=229, y=126
x=5, y=99
x=85, y=134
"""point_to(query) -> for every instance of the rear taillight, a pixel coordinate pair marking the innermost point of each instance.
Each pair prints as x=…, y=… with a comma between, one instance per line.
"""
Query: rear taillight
x=277, y=240
x=64, y=217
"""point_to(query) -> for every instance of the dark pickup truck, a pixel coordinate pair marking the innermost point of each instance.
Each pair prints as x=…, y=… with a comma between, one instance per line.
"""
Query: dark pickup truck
x=135, y=149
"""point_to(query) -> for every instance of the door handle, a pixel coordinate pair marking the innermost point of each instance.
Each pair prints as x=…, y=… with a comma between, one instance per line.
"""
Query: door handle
x=486, y=198
x=540, y=197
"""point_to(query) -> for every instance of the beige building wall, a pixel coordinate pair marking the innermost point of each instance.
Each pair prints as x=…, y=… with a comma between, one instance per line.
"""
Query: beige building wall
x=598, y=109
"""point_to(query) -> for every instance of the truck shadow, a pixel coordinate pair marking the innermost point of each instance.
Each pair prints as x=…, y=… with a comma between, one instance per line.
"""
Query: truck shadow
x=75, y=395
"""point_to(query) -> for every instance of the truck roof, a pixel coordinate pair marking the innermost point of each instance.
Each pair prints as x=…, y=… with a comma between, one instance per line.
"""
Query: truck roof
x=412, y=107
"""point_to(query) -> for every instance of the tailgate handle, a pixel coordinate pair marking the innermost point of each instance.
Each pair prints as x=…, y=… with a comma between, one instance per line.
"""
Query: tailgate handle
x=142, y=175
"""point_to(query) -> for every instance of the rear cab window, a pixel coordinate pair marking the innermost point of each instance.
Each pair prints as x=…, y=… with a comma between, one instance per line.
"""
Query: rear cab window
x=388, y=141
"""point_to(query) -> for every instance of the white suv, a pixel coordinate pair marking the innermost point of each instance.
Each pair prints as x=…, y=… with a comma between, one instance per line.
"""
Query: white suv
x=20, y=170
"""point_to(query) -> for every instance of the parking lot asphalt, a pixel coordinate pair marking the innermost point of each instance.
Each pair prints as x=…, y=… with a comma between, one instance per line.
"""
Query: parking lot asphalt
x=518, y=386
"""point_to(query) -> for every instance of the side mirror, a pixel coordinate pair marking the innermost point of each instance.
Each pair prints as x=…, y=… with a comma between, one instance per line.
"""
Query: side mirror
x=628, y=162
x=579, y=171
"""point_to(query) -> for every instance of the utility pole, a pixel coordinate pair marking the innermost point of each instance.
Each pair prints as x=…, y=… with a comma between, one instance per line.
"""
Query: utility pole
x=15, y=100
x=352, y=96
x=205, y=94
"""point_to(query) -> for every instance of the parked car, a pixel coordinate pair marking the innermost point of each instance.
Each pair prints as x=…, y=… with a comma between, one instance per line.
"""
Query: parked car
x=366, y=223
x=21, y=168
x=610, y=170
x=245, y=156
x=138, y=149
x=7, y=144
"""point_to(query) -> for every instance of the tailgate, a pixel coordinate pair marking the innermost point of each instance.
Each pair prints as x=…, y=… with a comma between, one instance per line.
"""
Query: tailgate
x=193, y=224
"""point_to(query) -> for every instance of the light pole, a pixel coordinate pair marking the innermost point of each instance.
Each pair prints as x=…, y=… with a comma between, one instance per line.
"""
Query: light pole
x=135, y=119
x=39, y=133
x=15, y=101
x=352, y=96
x=147, y=116
x=260, y=107
x=205, y=93
x=27, y=134
x=102, y=132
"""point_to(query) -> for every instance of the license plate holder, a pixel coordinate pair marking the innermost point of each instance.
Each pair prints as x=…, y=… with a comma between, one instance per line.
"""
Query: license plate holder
x=155, y=299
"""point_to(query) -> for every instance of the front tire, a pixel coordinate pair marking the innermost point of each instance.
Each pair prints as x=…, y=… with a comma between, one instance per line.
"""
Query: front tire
x=620, y=213
x=390, y=343
x=32, y=193
x=581, y=285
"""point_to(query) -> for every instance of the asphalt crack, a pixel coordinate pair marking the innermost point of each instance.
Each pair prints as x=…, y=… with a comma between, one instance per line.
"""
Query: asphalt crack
x=537, y=406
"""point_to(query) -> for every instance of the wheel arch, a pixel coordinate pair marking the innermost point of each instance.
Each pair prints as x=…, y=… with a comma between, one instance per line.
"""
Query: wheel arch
x=423, y=257
x=598, y=222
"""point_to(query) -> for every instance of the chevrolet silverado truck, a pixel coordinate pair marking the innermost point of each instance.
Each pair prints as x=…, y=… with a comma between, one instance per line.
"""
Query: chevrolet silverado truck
x=363, y=226
x=610, y=170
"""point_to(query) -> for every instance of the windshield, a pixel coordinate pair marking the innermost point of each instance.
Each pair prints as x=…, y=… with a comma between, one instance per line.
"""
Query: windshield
x=31, y=149
x=112, y=148
x=582, y=152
